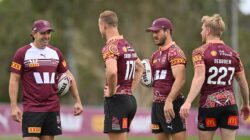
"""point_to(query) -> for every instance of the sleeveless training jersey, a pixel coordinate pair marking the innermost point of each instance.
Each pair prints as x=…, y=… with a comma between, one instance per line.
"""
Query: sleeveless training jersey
x=221, y=63
x=118, y=48
x=38, y=69
x=161, y=62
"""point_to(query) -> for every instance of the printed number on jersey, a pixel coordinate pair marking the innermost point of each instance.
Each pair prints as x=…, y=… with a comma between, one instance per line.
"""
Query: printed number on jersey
x=130, y=69
x=223, y=72
x=44, y=78
x=160, y=74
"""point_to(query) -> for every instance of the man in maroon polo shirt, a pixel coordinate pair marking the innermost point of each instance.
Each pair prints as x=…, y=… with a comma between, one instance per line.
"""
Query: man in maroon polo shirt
x=168, y=70
x=37, y=65
x=215, y=66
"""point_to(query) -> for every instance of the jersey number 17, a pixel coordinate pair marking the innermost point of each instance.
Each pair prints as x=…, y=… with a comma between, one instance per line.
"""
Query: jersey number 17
x=130, y=70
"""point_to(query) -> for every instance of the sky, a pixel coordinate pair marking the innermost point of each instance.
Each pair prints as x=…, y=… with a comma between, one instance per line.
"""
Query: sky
x=244, y=6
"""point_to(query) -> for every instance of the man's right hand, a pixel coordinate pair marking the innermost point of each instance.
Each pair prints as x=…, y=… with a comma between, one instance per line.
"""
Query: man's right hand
x=16, y=114
x=184, y=110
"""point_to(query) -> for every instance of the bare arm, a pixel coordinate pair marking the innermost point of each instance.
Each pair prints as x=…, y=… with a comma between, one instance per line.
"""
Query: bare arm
x=241, y=78
x=138, y=74
x=111, y=75
x=13, y=88
x=74, y=92
x=197, y=82
x=13, y=93
x=179, y=75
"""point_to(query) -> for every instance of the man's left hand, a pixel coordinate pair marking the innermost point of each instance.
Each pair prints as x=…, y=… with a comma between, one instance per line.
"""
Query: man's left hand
x=78, y=109
x=169, y=111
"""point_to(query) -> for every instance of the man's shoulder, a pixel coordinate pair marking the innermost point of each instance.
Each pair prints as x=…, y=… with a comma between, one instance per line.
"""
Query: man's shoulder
x=23, y=49
x=155, y=53
x=175, y=49
x=175, y=46
x=201, y=48
x=113, y=46
x=52, y=47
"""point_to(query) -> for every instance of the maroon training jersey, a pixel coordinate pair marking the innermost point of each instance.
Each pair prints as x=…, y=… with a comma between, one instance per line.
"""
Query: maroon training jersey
x=118, y=48
x=221, y=63
x=161, y=63
x=38, y=69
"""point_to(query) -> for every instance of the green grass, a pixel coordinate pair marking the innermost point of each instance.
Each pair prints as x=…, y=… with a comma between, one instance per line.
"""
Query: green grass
x=105, y=138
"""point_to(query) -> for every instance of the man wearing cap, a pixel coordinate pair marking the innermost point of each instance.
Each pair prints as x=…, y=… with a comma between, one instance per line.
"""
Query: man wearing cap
x=168, y=71
x=37, y=65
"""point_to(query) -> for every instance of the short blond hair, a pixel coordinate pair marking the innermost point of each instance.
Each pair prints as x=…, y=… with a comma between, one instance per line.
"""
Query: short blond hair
x=215, y=23
x=109, y=17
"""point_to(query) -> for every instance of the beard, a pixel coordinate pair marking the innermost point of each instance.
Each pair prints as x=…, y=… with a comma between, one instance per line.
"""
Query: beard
x=44, y=42
x=160, y=41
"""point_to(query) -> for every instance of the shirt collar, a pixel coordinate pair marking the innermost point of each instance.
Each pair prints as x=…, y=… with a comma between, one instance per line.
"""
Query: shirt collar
x=215, y=41
x=167, y=46
x=115, y=37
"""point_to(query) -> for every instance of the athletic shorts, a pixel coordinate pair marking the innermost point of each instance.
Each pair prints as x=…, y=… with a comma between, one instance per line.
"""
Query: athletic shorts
x=159, y=123
x=209, y=119
x=119, y=112
x=36, y=124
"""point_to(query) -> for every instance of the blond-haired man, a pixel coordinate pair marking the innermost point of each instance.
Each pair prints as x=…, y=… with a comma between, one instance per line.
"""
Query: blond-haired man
x=215, y=66
x=123, y=73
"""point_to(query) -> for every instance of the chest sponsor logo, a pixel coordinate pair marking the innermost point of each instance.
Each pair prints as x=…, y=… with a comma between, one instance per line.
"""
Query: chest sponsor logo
x=213, y=53
x=34, y=130
x=16, y=66
x=233, y=120
x=33, y=63
x=44, y=78
x=160, y=74
x=210, y=122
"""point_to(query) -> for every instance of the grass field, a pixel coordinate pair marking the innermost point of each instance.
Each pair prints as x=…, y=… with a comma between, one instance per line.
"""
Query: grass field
x=105, y=138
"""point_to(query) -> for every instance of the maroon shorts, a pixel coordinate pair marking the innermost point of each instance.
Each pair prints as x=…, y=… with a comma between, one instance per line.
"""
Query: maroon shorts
x=209, y=119
x=159, y=124
x=119, y=112
x=36, y=124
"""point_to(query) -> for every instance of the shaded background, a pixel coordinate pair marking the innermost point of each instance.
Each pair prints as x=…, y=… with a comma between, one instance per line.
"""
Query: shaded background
x=77, y=35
